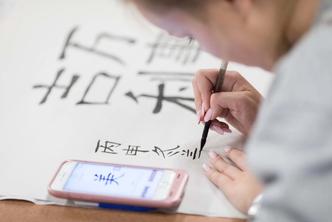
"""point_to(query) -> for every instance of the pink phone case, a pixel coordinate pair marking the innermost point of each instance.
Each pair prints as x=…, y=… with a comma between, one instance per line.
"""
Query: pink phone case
x=172, y=200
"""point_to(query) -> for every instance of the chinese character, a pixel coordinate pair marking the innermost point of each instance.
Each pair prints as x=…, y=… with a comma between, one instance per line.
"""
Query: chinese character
x=109, y=82
x=54, y=85
x=166, y=152
x=134, y=150
x=107, y=180
x=112, y=81
x=191, y=154
x=107, y=147
x=94, y=48
x=161, y=97
x=172, y=48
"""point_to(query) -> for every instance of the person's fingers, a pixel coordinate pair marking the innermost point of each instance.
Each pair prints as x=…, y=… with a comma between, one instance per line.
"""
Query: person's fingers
x=237, y=103
x=220, y=127
x=205, y=86
x=229, y=105
x=233, y=80
x=198, y=100
x=223, y=101
x=222, y=181
x=222, y=167
x=238, y=108
x=238, y=157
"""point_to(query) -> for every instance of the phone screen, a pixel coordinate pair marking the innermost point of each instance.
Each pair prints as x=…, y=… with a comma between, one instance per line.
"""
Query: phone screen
x=119, y=181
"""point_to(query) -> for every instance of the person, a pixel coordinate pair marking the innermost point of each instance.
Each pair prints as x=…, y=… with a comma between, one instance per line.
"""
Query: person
x=289, y=145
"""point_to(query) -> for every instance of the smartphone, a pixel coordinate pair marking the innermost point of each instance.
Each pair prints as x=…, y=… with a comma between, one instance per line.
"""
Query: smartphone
x=119, y=184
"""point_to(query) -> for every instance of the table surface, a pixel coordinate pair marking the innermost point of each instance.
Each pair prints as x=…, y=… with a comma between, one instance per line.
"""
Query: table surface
x=23, y=211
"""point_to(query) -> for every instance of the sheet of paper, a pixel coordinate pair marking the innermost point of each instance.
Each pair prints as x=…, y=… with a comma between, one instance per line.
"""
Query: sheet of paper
x=6, y=7
x=91, y=80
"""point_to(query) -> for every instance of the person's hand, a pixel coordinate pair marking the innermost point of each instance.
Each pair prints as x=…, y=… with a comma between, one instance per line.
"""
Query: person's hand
x=238, y=102
x=239, y=185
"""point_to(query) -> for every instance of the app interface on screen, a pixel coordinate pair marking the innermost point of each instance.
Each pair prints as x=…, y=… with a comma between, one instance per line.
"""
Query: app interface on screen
x=114, y=180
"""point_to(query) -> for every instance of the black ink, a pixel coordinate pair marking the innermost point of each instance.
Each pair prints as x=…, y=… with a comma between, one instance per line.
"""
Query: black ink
x=133, y=150
x=175, y=151
x=55, y=85
x=161, y=97
x=69, y=42
x=107, y=147
x=114, y=82
x=168, y=152
x=171, y=48
x=190, y=153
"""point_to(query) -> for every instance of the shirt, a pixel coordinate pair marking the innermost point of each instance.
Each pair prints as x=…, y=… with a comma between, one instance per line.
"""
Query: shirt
x=290, y=148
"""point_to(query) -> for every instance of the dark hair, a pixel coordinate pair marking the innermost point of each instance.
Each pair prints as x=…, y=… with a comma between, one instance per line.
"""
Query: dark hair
x=161, y=5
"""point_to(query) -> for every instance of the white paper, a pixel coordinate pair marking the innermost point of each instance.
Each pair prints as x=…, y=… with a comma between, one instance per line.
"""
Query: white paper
x=39, y=132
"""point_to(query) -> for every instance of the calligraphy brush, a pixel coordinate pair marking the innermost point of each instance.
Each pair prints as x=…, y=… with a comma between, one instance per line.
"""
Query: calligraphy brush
x=217, y=88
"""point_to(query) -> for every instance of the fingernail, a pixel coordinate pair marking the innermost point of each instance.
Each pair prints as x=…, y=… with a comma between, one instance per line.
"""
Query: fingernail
x=199, y=117
x=227, y=130
x=208, y=115
x=213, y=155
x=206, y=168
x=218, y=130
x=203, y=110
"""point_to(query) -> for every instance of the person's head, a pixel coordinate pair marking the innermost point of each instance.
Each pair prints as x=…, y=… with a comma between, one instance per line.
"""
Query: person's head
x=252, y=32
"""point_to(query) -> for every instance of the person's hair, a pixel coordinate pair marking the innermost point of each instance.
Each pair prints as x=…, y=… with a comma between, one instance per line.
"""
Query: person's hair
x=162, y=5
